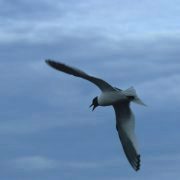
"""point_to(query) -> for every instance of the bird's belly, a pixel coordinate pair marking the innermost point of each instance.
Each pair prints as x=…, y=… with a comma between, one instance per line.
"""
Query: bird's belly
x=109, y=98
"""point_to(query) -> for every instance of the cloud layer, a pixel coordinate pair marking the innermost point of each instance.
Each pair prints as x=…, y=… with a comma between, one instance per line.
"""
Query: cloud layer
x=47, y=131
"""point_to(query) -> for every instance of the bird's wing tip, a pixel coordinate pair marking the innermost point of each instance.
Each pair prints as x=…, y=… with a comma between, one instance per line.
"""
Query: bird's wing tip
x=51, y=63
x=48, y=61
x=139, y=163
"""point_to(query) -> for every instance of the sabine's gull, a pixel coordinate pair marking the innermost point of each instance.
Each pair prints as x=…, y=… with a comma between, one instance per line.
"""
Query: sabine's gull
x=120, y=100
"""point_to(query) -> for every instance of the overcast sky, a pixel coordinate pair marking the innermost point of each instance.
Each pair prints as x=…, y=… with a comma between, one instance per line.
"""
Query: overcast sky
x=47, y=131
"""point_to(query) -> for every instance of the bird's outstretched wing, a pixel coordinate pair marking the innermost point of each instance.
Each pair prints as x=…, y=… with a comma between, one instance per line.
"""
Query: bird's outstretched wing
x=104, y=86
x=125, y=127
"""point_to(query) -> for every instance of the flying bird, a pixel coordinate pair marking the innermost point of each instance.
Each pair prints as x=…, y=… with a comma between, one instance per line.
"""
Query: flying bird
x=120, y=100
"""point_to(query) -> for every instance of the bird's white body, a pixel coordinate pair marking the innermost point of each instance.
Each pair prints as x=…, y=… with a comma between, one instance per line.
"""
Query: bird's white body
x=110, y=97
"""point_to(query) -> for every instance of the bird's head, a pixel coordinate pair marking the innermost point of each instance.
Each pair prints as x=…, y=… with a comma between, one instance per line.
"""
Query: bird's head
x=94, y=103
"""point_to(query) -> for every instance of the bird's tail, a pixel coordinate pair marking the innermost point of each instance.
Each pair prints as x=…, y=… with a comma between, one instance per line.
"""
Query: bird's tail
x=132, y=92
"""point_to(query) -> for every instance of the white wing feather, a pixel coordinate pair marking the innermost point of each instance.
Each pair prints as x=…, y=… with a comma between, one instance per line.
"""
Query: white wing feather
x=125, y=126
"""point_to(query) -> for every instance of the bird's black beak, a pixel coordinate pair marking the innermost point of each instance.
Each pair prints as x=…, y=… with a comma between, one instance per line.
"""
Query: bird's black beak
x=93, y=107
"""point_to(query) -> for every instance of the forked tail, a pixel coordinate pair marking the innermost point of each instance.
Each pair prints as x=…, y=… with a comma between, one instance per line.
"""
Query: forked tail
x=132, y=92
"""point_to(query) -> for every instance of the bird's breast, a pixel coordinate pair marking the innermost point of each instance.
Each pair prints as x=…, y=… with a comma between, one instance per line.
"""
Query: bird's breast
x=109, y=98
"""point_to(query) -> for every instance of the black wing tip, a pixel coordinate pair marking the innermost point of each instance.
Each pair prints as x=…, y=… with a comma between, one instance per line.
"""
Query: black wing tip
x=49, y=61
x=137, y=167
x=54, y=64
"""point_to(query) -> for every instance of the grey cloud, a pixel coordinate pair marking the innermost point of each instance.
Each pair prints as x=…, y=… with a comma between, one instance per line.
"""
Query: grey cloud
x=168, y=85
x=30, y=69
x=33, y=163
x=123, y=47
x=73, y=19
x=26, y=9
x=91, y=164
x=41, y=122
